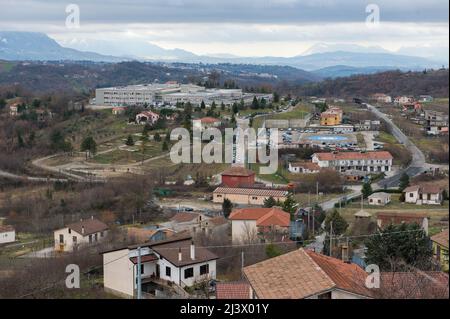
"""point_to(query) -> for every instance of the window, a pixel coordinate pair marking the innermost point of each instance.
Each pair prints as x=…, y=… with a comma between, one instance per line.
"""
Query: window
x=188, y=273
x=142, y=269
x=90, y=239
x=61, y=239
x=102, y=234
x=204, y=269
x=96, y=237
x=70, y=231
x=411, y=195
x=168, y=271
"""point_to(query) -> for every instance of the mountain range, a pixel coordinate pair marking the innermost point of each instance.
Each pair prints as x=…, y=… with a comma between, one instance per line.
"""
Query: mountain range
x=344, y=60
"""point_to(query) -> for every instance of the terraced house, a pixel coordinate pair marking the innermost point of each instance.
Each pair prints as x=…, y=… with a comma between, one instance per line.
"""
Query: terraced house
x=369, y=162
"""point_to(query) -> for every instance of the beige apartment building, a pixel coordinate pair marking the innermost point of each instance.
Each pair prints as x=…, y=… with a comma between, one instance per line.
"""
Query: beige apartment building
x=247, y=196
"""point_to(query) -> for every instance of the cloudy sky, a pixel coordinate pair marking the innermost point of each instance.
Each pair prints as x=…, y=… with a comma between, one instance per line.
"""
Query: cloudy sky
x=238, y=27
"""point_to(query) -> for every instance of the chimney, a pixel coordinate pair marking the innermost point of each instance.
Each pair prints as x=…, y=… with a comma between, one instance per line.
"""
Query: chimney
x=179, y=255
x=82, y=230
x=192, y=251
x=344, y=253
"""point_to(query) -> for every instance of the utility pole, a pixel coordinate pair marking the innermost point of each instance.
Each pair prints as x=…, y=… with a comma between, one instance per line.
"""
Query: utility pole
x=242, y=263
x=331, y=236
x=317, y=192
x=139, y=279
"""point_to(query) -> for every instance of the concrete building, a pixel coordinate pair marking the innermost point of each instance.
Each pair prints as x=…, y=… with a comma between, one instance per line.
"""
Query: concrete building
x=7, y=234
x=385, y=219
x=436, y=123
x=382, y=98
x=247, y=196
x=252, y=224
x=379, y=199
x=171, y=93
x=83, y=233
x=424, y=195
x=174, y=263
x=370, y=162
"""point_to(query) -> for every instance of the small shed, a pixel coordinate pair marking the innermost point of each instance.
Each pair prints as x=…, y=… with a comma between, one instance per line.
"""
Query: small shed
x=379, y=199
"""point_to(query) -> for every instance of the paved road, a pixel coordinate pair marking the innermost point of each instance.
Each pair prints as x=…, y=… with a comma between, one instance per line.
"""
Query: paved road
x=30, y=178
x=418, y=163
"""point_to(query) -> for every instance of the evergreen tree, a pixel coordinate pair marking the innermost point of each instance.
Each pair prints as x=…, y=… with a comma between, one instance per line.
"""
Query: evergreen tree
x=366, y=189
x=340, y=225
x=222, y=106
x=397, y=246
x=290, y=205
x=202, y=105
x=255, y=103
x=270, y=202
x=89, y=145
x=157, y=137
x=404, y=182
x=165, y=146
x=276, y=97
x=213, y=105
x=235, y=108
x=130, y=141
x=227, y=207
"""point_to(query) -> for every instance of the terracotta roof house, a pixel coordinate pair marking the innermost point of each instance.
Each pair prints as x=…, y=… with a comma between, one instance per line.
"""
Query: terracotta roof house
x=247, y=196
x=304, y=167
x=386, y=218
x=85, y=232
x=249, y=223
x=175, y=263
x=440, y=248
x=425, y=194
x=369, y=162
x=304, y=274
x=238, y=176
x=207, y=122
x=147, y=117
x=233, y=290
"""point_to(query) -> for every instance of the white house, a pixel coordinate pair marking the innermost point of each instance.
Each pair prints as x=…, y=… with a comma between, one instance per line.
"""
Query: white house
x=175, y=262
x=403, y=100
x=379, y=199
x=84, y=232
x=424, y=195
x=382, y=98
x=370, y=162
x=7, y=234
x=206, y=123
x=304, y=168
x=147, y=117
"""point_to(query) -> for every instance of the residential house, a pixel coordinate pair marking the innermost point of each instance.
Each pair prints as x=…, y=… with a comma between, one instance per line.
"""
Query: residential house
x=174, y=263
x=186, y=221
x=426, y=98
x=238, y=176
x=7, y=234
x=304, y=274
x=43, y=115
x=303, y=168
x=237, y=290
x=216, y=227
x=440, y=248
x=247, y=196
x=387, y=218
x=425, y=194
x=379, y=199
x=382, y=98
x=147, y=117
x=331, y=117
x=436, y=123
x=249, y=224
x=83, y=233
x=206, y=123
x=400, y=100
x=370, y=162
x=118, y=110
x=14, y=109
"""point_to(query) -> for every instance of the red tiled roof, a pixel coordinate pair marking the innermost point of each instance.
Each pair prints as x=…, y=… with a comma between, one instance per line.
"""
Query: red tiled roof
x=184, y=217
x=306, y=165
x=233, y=290
x=348, y=277
x=387, y=218
x=209, y=120
x=251, y=191
x=91, y=226
x=414, y=285
x=423, y=189
x=441, y=238
x=383, y=155
x=263, y=216
x=6, y=228
x=238, y=171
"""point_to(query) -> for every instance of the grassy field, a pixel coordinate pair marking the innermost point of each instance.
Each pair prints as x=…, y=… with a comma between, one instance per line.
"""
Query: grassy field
x=300, y=111
x=130, y=155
